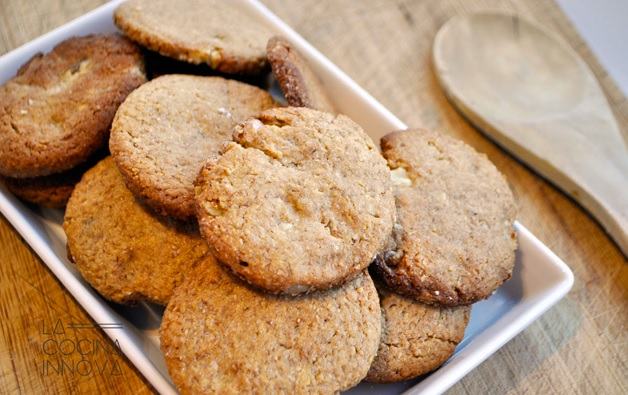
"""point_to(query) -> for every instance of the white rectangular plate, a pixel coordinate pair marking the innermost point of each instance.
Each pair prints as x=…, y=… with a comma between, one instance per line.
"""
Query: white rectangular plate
x=540, y=278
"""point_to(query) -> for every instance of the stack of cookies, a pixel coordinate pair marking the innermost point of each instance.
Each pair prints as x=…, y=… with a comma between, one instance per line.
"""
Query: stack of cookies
x=291, y=253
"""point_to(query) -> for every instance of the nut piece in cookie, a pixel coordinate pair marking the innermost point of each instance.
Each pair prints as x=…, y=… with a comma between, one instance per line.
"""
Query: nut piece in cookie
x=301, y=200
x=416, y=338
x=454, y=242
x=298, y=82
x=218, y=335
x=215, y=32
x=125, y=251
x=166, y=130
x=58, y=109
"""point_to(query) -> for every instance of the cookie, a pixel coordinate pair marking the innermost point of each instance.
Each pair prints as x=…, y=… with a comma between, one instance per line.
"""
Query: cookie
x=298, y=82
x=214, y=32
x=51, y=191
x=218, y=335
x=164, y=132
x=57, y=111
x=416, y=338
x=157, y=65
x=301, y=200
x=454, y=242
x=122, y=249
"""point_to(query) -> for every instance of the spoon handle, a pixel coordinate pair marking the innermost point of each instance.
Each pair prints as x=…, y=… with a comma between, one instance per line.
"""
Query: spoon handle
x=587, y=158
x=595, y=174
x=605, y=195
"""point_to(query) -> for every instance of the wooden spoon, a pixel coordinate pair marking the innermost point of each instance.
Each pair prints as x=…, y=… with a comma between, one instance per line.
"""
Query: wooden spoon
x=532, y=94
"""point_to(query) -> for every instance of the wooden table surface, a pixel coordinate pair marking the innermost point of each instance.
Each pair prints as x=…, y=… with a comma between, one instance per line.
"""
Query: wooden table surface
x=579, y=346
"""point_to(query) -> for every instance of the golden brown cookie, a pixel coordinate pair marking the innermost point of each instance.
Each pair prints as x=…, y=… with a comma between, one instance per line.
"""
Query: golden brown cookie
x=49, y=191
x=54, y=190
x=301, y=200
x=57, y=111
x=298, y=82
x=215, y=32
x=416, y=338
x=454, y=242
x=164, y=132
x=126, y=252
x=218, y=335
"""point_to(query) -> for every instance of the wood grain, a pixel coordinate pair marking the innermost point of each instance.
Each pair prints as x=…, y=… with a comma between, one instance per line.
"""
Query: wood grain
x=580, y=346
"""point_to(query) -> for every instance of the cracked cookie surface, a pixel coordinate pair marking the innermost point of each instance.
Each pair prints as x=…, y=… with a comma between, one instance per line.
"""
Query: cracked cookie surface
x=164, y=132
x=454, y=242
x=416, y=338
x=219, y=335
x=214, y=32
x=301, y=200
x=57, y=111
x=125, y=251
